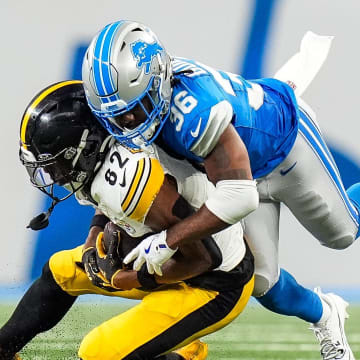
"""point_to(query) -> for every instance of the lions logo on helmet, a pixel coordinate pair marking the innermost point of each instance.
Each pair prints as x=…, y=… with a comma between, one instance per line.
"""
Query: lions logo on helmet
x=144, y=53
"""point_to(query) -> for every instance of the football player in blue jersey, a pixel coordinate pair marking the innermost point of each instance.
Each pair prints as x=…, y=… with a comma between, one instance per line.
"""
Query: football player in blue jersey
x=258, y=143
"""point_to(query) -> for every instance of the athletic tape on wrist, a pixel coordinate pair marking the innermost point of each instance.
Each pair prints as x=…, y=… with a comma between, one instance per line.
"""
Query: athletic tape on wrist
x=146, y=280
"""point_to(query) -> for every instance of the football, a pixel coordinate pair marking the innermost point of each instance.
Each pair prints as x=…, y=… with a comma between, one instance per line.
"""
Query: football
x=126, y=243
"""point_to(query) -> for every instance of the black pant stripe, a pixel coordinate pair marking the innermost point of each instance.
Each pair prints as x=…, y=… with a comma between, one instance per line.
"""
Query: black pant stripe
x=202, y=318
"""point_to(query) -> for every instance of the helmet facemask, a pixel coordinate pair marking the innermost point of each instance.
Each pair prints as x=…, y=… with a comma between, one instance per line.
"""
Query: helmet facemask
x=155, y=110
x=60, y=169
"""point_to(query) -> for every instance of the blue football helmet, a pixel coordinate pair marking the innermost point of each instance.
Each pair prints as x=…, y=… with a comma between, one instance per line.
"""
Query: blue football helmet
x=126, y=67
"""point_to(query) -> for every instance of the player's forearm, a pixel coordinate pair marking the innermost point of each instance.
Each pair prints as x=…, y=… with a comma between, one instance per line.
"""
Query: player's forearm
x=235, y=195
x=97, y=225
x=126, y=280
x=200, y=225
x=92, y=235
x=173, y=271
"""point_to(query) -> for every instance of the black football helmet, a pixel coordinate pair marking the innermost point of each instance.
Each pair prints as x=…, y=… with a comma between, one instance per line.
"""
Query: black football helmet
x=61, y=143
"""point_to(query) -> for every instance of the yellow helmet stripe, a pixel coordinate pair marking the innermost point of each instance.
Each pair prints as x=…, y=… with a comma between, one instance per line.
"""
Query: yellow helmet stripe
x=37, y=101
x=134, y=185
x=150, y=190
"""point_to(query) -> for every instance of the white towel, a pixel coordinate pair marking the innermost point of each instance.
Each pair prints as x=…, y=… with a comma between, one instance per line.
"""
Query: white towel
x=300, y=70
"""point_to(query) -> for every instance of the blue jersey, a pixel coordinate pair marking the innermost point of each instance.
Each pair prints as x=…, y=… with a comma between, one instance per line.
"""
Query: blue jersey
x=205, y=101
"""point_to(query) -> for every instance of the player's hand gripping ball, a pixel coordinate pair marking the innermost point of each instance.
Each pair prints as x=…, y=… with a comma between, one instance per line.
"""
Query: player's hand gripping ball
x=112, y=246
x=103, y=262
x=91, y=268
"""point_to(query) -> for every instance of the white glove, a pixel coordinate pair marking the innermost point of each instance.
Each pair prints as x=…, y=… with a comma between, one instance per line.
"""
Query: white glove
x=154, y=250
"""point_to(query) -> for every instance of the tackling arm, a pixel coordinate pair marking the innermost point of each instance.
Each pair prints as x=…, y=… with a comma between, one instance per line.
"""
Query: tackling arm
x=191, y=260
x=228, y=167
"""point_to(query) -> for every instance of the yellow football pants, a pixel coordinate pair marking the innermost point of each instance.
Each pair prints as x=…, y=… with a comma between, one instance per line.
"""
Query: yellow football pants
x=165, y=319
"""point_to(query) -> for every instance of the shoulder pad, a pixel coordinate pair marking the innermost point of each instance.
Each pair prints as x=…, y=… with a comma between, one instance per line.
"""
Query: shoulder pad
x=127, y=183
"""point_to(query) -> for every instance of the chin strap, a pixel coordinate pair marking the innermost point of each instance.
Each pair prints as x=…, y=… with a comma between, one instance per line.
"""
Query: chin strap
x=105, y=146
x=41, y=221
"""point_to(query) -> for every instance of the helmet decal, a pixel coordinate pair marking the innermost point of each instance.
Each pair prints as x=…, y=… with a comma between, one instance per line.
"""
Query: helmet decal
x=144, y=52
x=102, y=71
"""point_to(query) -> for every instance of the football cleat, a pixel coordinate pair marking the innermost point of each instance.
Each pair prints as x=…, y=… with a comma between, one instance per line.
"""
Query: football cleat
x=331, y=333
x=197, y=350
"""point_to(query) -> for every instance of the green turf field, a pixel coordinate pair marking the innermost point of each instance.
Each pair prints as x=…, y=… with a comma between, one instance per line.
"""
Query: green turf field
x=256, y=334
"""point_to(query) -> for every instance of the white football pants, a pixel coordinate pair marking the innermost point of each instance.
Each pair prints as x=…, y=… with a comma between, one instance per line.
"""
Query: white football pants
x=309, y=184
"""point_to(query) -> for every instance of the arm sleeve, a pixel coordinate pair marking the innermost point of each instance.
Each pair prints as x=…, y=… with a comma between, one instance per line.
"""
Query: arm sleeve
x=233, y=199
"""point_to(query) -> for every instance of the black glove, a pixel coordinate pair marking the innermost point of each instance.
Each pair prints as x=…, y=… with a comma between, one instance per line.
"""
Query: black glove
x=110, y=262
x=92, y=270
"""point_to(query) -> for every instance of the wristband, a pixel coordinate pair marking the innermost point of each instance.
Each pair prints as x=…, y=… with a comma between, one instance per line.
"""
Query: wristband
x=146, y=280
x=99, y=220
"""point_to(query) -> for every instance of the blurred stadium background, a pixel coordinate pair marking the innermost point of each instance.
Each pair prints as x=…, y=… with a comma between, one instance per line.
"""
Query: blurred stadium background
x=43, y=42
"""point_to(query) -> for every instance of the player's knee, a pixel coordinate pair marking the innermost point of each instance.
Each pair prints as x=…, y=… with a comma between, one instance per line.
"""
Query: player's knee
x=95, y=345
x=91, y=347
x=101, y=343
x=340, y=242
x=263, y=284
x=63, y=265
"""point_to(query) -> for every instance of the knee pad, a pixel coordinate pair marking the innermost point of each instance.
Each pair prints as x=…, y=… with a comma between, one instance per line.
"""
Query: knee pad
x=341, y=242
x=95, y=346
